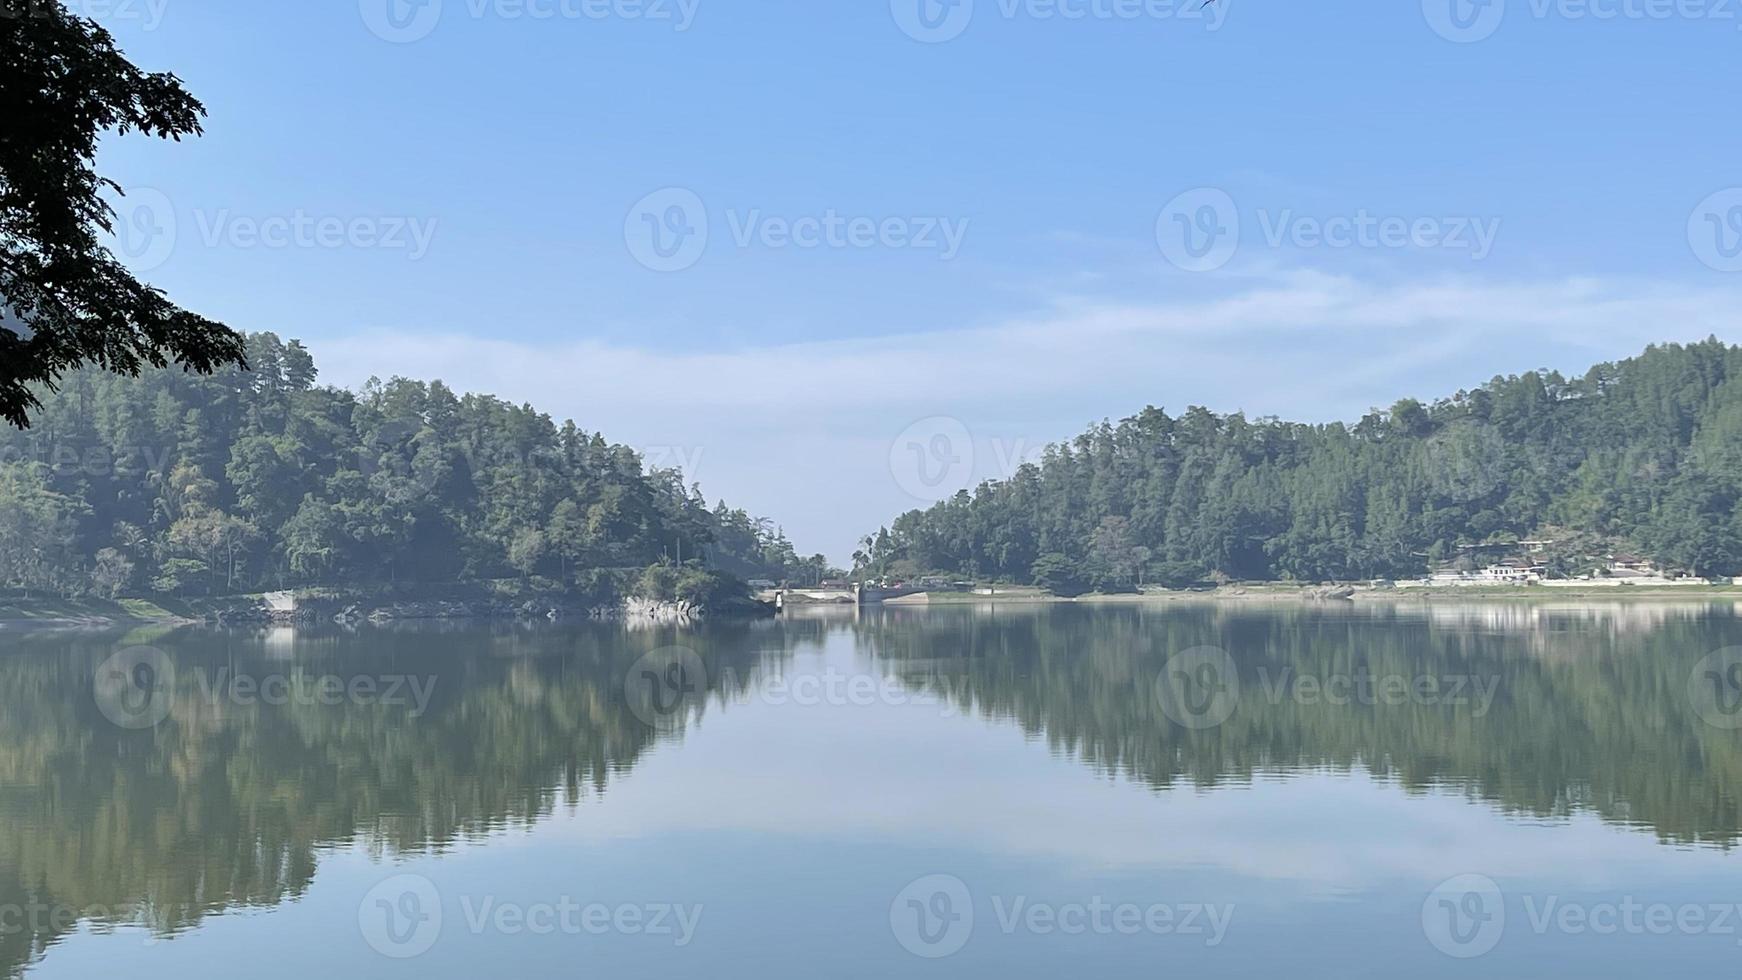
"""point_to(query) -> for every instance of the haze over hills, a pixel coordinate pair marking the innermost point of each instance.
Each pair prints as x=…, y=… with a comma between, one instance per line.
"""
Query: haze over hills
x=1643, y=453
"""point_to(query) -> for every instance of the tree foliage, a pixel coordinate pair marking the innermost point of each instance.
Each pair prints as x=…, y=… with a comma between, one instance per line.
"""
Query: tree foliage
x=1648, y=450
x=64, y=298
x=255, y=479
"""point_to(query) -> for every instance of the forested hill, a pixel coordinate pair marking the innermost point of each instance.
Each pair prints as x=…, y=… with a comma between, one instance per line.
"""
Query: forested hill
x=175, y=483
x=1645, y=453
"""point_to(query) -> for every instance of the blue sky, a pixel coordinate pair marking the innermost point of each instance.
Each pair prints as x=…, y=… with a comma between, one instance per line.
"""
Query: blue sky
x=893, y=258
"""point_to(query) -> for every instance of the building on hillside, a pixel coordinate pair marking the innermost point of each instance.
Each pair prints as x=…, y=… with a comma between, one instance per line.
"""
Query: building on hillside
x=1632, y=566
x=1518, y=571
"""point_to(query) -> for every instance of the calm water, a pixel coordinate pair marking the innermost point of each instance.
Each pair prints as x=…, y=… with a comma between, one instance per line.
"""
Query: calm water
x=1467, y=790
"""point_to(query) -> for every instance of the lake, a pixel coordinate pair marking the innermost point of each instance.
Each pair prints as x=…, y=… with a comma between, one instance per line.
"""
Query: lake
x=1337, y=790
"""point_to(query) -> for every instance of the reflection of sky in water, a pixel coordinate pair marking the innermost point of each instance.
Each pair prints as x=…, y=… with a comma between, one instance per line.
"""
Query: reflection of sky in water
x=795, y=825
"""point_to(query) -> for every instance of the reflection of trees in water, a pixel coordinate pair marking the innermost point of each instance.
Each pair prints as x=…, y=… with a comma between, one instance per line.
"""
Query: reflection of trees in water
x=1590, y=711
x=229, y=804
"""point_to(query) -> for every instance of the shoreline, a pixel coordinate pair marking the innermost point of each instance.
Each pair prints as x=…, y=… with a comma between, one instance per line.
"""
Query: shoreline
x=1276, y=592
x=100, y=614
x=328, y=608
